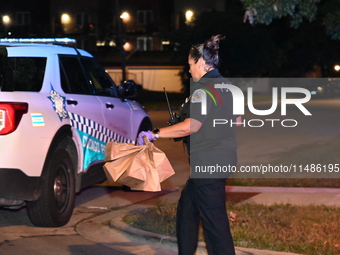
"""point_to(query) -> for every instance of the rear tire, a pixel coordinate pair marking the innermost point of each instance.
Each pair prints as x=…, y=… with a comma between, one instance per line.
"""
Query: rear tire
x=55, y=205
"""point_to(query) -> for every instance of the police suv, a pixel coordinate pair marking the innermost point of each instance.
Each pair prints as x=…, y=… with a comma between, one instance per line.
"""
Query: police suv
x=58, y=109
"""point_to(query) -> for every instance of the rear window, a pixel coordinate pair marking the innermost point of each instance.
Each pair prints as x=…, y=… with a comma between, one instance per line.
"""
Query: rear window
x=73, y=78
x=23, y=73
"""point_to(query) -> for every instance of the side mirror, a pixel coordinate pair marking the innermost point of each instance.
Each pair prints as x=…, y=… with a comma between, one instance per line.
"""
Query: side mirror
x=128, y=89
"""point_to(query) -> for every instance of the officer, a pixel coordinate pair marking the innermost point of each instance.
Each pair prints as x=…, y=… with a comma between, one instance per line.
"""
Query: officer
x=210, y=147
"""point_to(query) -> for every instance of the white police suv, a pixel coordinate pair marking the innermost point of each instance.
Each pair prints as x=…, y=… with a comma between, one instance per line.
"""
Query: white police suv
x=58, y=109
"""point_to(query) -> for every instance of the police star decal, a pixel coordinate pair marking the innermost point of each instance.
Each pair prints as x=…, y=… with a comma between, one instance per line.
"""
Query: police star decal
x=58, y=103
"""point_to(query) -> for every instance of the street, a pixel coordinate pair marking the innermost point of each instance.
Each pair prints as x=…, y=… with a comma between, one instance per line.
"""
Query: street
x=256, y=145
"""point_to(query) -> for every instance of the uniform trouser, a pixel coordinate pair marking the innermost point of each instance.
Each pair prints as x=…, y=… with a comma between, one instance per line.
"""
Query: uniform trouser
x=203, y=200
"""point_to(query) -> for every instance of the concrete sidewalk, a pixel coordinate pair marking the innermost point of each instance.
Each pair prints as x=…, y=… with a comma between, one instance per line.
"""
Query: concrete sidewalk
x=110, y=227
x=293, y=196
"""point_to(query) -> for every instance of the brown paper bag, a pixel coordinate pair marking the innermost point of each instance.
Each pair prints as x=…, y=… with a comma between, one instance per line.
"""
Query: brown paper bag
x=139, y=167
x=125, y=171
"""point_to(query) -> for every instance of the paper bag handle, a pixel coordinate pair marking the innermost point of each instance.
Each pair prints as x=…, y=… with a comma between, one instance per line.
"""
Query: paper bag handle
x=146, y=139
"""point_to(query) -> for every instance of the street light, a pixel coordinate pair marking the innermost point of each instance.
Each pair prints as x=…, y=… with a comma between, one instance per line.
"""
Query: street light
x=337, y=68
x=67, y=23
x=125, y=16
x=65, y=19
x=189, y=16
x=127, y=46
x=6, y=20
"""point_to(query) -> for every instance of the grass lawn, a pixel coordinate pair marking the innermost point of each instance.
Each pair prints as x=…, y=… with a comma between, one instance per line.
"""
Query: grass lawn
x=312, y=230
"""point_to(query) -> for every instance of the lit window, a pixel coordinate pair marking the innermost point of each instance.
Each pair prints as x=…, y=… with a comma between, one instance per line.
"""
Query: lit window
x=144, y=43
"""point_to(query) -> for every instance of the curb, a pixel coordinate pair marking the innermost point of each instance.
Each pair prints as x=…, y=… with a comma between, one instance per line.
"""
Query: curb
x=118, y=223
x=152, y=238
x=171, y=242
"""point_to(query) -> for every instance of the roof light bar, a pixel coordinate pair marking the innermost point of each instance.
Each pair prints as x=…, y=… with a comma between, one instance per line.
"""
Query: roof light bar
x=39, y=40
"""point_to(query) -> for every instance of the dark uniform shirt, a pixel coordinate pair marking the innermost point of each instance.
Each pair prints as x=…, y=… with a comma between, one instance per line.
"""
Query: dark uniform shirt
x=219, y=106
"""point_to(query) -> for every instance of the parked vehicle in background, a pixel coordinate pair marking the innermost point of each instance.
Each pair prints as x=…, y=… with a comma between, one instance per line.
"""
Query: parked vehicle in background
x=58, y=109
x=325, y=88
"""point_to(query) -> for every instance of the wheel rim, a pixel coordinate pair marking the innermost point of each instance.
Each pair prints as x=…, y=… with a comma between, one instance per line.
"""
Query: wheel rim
x=62, y=188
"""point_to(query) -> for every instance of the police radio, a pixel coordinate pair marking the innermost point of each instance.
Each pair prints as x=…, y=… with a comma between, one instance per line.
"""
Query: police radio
x=174, y=118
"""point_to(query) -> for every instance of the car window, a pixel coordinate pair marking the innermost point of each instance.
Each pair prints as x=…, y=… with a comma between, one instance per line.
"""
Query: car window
x=73, y=78
x=23, y=73
x=3, y=59
x=101, y=81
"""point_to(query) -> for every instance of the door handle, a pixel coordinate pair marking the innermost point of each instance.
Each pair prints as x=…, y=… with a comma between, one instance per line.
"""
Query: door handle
x=110, y=106
x=74, y=102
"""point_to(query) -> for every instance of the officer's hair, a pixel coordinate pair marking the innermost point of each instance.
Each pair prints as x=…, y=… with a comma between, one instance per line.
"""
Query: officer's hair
x=208, y=51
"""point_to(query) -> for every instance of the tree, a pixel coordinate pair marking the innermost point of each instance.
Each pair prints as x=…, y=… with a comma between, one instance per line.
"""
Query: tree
x=264, y=11
x=275, y=51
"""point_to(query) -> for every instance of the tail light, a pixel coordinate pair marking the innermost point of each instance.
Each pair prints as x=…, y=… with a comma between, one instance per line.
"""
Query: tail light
x=10, y=116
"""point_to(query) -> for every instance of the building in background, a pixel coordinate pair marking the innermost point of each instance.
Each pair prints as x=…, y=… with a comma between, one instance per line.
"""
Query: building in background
x=151, y=31
x=24, y=18
x=186, y=10
x=145, y=25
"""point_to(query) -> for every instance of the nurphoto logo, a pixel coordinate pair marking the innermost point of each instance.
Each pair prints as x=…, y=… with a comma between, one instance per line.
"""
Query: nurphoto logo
x=302, y=96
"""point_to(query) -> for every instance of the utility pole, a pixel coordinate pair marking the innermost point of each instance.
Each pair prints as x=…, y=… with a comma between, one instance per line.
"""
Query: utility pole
x=121, y=44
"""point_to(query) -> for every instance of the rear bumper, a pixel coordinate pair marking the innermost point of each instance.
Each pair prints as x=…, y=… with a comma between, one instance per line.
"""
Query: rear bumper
x=14, y=184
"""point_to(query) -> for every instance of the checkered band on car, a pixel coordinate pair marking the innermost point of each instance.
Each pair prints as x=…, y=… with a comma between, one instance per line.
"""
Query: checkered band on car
x=96, y=130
